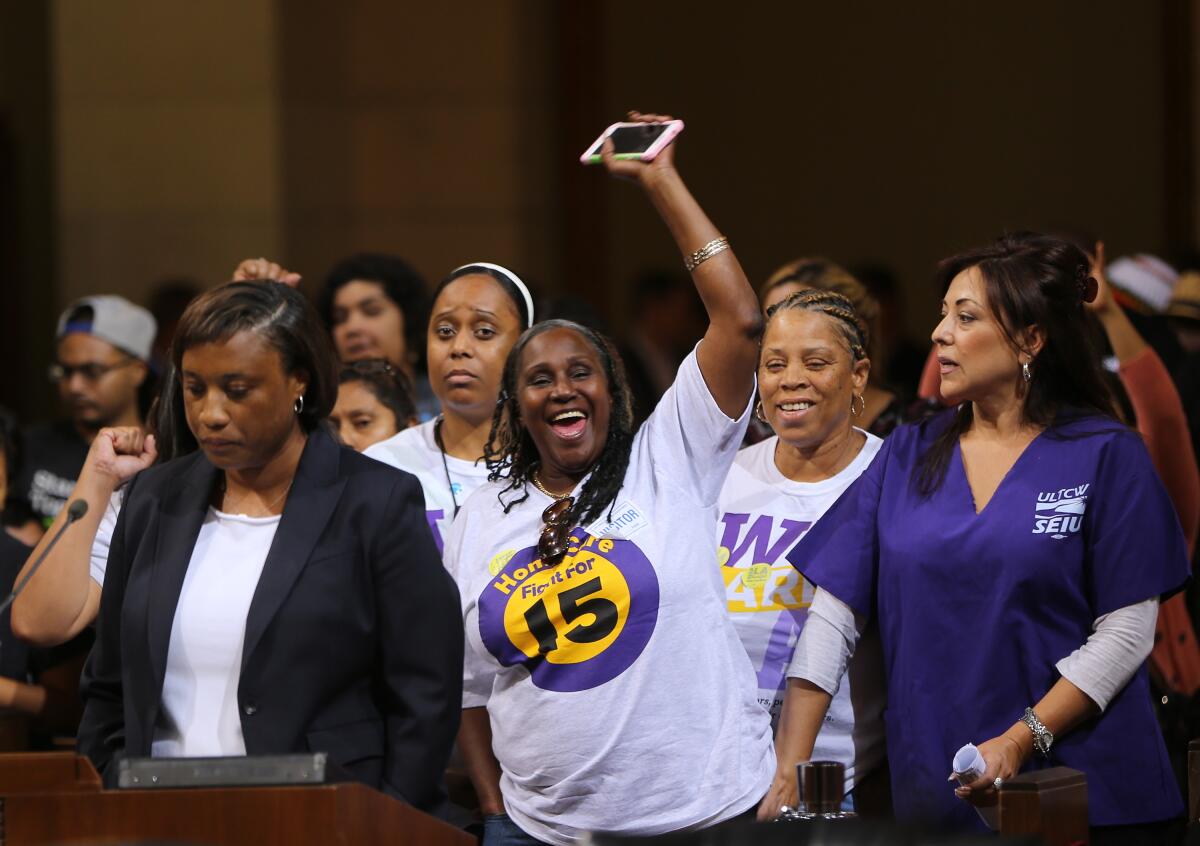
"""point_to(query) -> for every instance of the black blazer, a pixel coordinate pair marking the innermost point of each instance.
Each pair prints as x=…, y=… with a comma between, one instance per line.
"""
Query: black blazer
x=354, y=638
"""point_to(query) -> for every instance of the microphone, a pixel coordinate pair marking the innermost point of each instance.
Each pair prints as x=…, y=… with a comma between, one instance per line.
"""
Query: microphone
x=75, y=511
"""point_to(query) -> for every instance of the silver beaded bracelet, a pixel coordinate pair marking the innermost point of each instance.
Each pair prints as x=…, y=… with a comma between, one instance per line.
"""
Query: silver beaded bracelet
x=716, y=245
x=1043, y=738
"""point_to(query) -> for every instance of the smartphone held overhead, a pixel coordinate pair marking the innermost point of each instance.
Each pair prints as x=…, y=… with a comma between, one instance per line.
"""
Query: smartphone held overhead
x=642, y=141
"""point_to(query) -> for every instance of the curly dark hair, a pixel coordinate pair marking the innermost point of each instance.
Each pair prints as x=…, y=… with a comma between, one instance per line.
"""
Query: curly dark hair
x=401, y=283
x=821, y=274
x=511, y=455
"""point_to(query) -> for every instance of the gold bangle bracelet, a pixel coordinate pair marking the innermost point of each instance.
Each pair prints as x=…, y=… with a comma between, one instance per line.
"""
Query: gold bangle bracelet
x=716, y=245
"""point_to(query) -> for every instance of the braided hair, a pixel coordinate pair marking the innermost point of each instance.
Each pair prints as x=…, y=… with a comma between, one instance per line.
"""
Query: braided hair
x=511, y=455
x=852, y=327
x=821, y=274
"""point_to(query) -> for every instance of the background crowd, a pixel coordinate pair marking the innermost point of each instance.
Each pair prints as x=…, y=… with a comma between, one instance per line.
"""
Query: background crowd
x=851, y=441
x=477, y=383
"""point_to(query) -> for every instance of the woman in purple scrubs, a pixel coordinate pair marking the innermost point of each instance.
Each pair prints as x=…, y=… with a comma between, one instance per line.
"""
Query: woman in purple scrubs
x=1013, y=551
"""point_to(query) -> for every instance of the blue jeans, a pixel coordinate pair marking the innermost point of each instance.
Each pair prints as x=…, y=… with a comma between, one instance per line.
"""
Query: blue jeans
x=499, y=830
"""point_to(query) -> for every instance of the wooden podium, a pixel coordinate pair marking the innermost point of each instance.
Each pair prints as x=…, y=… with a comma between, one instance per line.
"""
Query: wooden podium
x=1193, y=797
x=1050, y=804
x=57, y=797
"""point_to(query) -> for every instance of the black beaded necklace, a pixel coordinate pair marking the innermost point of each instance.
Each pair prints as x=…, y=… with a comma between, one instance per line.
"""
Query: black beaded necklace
x=437, y=438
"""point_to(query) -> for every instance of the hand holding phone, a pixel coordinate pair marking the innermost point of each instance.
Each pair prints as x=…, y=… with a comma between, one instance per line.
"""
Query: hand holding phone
x=641, y=139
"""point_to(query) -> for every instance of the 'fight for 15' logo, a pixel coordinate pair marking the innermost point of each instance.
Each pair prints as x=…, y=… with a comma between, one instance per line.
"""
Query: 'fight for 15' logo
x=574, y=624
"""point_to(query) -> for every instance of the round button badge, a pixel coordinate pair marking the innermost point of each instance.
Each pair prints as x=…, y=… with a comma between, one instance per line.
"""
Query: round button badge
x=575, y=624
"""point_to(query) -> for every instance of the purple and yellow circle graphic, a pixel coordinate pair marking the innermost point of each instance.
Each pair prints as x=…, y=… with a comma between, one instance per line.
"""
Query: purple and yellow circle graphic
x=576, y=624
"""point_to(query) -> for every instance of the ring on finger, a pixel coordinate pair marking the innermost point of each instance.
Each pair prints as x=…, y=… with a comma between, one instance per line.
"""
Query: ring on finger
x=998, y=783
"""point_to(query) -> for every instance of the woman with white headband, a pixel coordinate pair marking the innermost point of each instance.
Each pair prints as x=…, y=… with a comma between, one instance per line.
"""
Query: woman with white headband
x=479, y=311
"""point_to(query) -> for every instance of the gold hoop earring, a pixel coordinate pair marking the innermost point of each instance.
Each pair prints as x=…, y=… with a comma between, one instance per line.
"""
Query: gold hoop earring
x=298, y=405
x=758, y=412
x=862, y=410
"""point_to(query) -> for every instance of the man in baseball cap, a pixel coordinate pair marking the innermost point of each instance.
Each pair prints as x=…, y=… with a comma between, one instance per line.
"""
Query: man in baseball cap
x=102, y=360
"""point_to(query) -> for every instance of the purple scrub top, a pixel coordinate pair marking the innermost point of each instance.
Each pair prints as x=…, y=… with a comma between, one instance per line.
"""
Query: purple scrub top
x=975, y=610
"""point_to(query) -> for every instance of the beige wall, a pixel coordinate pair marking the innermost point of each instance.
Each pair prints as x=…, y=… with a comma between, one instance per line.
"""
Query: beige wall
x=419, y=130
x=167, y=140
x=896, y=132
x=189, y=135
x=26, y=207
x=1191, y=112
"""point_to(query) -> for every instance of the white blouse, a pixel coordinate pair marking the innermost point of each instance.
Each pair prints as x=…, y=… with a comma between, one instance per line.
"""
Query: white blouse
x=199, y=715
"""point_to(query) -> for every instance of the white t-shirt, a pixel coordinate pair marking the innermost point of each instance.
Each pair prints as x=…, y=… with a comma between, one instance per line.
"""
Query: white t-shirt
x=98, y=561
x=642, y=717
x=415, y=450
x=199, y=714
x=763, y=515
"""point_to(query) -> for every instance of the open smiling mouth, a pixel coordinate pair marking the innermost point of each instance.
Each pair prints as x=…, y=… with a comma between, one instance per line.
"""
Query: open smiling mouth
x=569, y=425
x=793, y=410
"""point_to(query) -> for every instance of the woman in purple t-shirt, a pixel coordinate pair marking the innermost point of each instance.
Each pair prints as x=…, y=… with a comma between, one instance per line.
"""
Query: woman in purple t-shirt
x=1013, y=551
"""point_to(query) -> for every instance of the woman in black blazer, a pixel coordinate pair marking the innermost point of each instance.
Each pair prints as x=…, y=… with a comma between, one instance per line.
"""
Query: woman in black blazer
x=338, y=633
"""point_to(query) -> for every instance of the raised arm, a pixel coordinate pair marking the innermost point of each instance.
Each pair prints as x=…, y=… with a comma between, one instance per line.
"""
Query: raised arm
x=261, y=268
x=62, y=598
x=728, y=357
x=1124, y=339
x=1161, y=418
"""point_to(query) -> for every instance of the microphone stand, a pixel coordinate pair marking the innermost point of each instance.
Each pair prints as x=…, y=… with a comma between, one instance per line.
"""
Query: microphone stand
x=75, y=511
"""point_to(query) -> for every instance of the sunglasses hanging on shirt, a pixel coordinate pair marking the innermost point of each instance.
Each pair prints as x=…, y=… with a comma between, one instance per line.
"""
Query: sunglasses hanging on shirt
x=552, y=545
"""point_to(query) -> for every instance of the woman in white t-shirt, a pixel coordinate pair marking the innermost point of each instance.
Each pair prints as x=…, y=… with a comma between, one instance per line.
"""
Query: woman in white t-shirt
x=478, y=313
x=812, y=372
x=605, y=688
